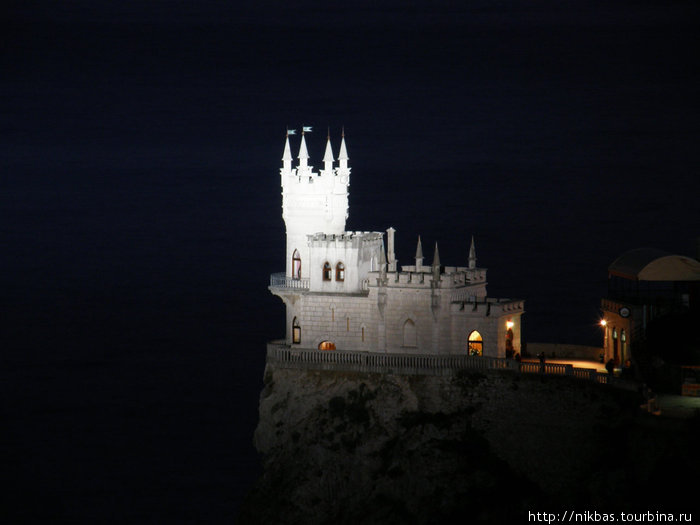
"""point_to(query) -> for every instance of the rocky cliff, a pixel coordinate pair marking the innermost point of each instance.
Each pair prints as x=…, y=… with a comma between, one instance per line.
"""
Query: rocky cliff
x=350, y=447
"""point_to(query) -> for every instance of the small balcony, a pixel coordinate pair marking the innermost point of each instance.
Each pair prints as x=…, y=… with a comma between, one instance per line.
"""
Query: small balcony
x=281, y=280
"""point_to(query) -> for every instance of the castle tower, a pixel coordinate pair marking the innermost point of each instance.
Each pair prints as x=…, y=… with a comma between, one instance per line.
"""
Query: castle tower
x=312, y=202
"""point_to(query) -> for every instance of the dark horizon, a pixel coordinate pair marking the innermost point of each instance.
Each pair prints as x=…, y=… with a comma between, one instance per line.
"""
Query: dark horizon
x=141, y=201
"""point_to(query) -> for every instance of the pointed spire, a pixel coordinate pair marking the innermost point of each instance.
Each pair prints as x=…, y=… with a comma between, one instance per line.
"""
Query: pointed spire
x=436, y=268
x=303, y=153
x=328, y=156
x=436, y=257
x=472, y=255
x=419, y=256
x=287, y=155
x=343, y=155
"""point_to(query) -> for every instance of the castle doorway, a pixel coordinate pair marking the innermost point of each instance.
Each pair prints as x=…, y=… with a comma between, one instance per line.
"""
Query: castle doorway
x=326, y=345
x=475, y=344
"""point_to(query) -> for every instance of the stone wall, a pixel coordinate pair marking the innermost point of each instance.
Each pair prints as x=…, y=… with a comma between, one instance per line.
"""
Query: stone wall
x=337, y=318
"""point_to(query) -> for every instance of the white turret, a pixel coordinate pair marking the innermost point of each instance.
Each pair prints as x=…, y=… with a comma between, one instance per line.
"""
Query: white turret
x=311, y=202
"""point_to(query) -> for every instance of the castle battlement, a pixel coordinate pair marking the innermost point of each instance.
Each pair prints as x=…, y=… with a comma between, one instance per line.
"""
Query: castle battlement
x=345, y=237
x=344, y=290
x=427, y=278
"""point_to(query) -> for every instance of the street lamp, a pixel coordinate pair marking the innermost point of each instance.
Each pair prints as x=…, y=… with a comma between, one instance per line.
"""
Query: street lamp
x=604, y=324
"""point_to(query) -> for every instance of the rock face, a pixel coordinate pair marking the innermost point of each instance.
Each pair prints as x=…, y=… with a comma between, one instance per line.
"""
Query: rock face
x=351, y=447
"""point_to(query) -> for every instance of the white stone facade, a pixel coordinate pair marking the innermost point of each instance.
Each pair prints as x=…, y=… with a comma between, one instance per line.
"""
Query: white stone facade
x=344, y=292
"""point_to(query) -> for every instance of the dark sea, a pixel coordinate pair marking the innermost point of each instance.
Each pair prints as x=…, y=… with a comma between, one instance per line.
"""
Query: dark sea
x=140, y=206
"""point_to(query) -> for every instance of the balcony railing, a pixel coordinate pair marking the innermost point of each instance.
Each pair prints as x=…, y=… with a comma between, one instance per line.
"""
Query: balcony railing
x=281, y=280
x=414, y=364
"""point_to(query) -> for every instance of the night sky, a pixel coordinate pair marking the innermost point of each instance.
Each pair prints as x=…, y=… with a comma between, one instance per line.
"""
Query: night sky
x=140, y=211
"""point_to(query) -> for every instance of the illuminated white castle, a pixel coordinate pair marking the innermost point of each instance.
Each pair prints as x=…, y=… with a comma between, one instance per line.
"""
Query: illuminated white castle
x=344, y=292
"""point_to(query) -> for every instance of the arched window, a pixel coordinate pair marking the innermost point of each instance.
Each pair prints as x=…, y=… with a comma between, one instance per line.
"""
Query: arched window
x=296, y=332
x=409, y=333
x=340, y=272
x=475, y=344
x=326, y=271
x=326, y=345
x=296, y=265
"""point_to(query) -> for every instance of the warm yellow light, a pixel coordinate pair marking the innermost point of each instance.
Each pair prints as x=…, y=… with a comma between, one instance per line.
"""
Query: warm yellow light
x=509, y=324
x=603, y=322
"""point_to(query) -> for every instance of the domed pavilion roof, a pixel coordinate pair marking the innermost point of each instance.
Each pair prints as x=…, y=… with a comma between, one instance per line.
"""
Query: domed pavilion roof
x=648, y=264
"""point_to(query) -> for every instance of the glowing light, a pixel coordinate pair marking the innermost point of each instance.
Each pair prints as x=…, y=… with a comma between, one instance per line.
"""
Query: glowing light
x=475, y=345
x=509, y=324
x=603, y=322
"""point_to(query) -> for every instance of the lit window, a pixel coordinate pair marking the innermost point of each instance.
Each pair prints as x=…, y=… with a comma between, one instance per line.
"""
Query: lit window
x=326, y=345
x=475, y=344
x=326, y=271
x=296, y=332
x=340, y=272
